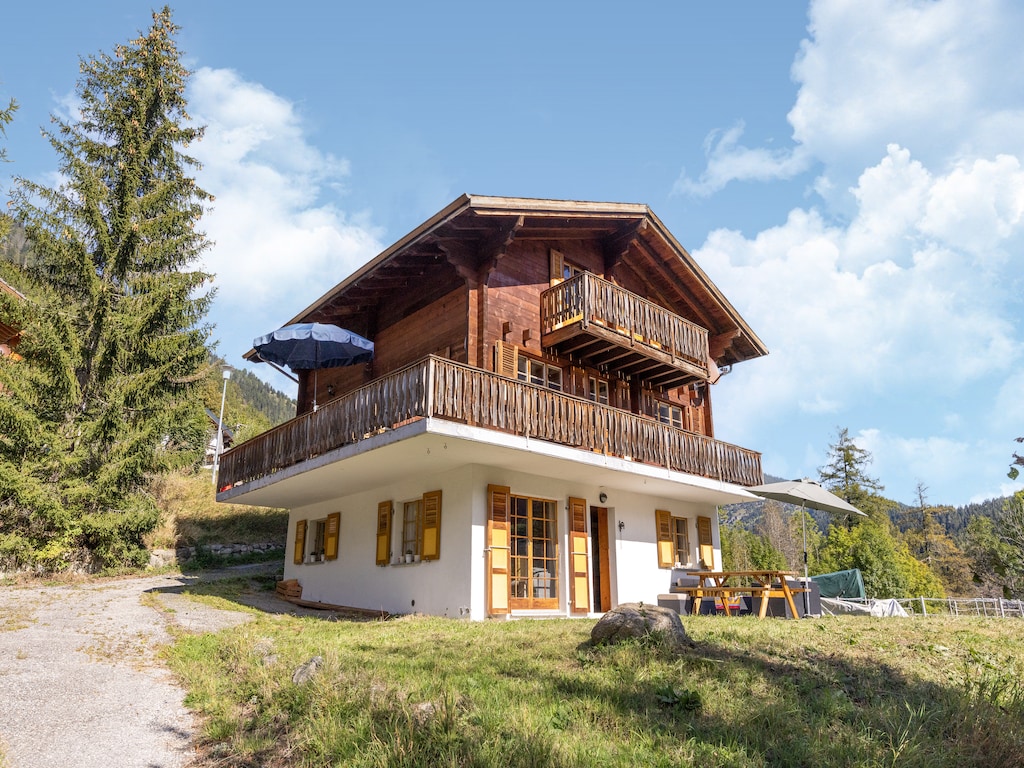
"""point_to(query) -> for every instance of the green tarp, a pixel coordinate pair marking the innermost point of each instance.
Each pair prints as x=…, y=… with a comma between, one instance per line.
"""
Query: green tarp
x=847, y=584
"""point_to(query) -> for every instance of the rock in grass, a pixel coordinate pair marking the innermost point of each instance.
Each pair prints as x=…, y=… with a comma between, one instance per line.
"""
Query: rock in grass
x=640, y=621
x=305, y=672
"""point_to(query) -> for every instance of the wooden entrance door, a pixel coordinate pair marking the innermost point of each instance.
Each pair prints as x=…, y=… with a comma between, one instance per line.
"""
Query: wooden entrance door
x=599, y=542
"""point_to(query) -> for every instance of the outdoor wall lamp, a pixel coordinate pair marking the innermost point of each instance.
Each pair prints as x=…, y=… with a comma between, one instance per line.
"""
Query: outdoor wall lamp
x=602, y=497
x=622, y=524
x=330, y=390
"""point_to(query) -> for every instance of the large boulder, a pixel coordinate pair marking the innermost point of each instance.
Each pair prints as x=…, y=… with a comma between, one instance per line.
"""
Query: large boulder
x=639, y=620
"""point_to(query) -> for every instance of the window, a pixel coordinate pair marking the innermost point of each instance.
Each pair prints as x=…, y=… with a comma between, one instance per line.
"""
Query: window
x=412, y=521
x=597, y=390
x=538, y=372
x=562, y=269
x=673, y=539
x=419, y=529
x=316, y=540
x=534, y=565
x=570, y=270
x=319, y=535
x=670, y=414
x=680, y=540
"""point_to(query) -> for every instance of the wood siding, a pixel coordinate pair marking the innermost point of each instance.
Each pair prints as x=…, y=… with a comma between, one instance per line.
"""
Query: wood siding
x=437, y=329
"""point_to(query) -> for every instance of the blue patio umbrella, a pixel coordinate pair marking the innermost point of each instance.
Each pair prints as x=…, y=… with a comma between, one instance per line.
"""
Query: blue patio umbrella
x=311, y=346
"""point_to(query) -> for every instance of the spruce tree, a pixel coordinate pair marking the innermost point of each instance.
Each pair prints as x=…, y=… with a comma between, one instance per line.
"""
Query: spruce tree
x=114, y=347
x=846, y=475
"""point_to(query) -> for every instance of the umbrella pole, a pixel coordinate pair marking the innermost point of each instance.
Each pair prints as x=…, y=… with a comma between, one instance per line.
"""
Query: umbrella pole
x=803, y=523
x=314, y=390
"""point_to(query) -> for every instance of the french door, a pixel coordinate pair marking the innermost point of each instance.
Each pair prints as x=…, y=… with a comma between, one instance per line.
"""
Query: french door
x=534, y=582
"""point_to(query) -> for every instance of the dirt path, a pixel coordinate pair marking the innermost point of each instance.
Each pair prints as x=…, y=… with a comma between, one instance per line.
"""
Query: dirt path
x=81, y=683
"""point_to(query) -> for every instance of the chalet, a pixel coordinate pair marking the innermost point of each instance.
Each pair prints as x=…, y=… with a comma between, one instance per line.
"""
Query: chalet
x=534, y=434
x=10, y=335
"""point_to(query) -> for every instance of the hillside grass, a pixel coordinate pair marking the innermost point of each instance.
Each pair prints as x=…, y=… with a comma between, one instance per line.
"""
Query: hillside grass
x=191, y=515
x=416, y=691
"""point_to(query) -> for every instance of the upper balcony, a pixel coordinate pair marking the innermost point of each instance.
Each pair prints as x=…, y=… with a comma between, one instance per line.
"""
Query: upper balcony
x=605, y=326
x=435, y=388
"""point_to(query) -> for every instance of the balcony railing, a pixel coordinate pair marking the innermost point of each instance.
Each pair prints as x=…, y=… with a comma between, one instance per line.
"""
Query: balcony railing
x=439, y=388
x=587, y=315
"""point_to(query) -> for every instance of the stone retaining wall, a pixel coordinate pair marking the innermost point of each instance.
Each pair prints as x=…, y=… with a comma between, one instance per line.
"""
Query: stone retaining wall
x=161, y=557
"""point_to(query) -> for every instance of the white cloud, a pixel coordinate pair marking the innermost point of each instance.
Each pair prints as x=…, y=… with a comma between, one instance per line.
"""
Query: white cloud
x=941, y=78
x=728, y=160
x=280, y=238
x=901, y=317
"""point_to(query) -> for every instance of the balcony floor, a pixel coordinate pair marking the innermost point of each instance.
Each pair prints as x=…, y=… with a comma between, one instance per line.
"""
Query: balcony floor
x=431, y=446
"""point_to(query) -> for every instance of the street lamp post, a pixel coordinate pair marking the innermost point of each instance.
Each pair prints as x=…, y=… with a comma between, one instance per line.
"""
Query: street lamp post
x=220, y=427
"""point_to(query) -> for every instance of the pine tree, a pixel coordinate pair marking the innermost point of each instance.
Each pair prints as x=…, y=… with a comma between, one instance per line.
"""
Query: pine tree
x=115, y=349
x=846, y=475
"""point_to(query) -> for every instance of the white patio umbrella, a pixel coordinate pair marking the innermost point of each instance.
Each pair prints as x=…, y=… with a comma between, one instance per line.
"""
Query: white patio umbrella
x=805, y=493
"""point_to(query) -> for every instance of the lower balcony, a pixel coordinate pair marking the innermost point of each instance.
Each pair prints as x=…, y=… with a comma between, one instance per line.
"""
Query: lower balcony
x=435, y=388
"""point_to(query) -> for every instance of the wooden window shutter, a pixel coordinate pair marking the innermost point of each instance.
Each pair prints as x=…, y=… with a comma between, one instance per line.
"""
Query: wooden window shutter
x=331, y=536
x=557, y=267
x=300, y=542
x=430, y=531
x=499, y=549
x=707, y=547
x=666, y=546
x=506, y=359
x=383, y=532
x=579, y=585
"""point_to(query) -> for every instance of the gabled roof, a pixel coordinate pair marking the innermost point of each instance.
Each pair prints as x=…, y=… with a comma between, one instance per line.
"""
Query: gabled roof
x=474, y=231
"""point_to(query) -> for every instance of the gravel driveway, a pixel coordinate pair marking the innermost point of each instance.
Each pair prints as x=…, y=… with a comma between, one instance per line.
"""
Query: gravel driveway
x=81, y=683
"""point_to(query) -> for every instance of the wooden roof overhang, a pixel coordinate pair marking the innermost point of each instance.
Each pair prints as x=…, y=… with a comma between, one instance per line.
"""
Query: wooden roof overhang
x=464, y=241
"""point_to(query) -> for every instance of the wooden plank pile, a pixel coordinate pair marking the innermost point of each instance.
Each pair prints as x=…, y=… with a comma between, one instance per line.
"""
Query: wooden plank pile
x=289, y=590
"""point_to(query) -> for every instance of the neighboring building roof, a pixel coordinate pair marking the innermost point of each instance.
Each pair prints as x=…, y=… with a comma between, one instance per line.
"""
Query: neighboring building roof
x=633, y=239
x=9, y=333
x=229, y=434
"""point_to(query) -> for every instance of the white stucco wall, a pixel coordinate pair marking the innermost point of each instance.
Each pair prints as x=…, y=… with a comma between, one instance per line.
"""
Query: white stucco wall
x=455, y=584
x=439, y=587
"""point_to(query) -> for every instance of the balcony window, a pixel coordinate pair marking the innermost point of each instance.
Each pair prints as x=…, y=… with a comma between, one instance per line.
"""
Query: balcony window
x=597, y=390
x=670, y=414
x=540, y=373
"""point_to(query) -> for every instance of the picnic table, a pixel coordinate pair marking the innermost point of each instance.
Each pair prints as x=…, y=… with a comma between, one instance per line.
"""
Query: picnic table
x=764, y=584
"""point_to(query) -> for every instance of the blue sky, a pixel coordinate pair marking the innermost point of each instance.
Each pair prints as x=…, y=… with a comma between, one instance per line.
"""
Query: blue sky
x=848, y=172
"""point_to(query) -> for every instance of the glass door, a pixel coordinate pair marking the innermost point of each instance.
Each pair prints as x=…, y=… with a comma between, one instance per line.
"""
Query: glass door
x=534, y=553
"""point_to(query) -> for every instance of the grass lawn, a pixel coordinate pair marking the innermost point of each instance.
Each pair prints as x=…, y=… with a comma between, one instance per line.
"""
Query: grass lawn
x=415, y=691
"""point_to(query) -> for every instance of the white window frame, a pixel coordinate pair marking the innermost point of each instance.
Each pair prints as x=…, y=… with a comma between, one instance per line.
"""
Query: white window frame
x=681, y=535
x=539, y=372
x=412, y=525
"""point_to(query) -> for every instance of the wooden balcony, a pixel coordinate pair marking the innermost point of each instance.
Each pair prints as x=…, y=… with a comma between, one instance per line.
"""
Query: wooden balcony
x=441, y=389
x=605, y=326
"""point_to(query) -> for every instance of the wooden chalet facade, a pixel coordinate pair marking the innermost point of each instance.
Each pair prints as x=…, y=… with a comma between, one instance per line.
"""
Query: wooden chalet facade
x=535, y=431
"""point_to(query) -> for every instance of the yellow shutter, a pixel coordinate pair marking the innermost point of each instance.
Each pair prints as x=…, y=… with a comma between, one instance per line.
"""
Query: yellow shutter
x=506, y=359
x=666, y=546
x=557, y=267
x=430, y=531
x=707, y=547
x=331, y=536
x=498, y=549
x=383, y=532
x=579, y=585
x=300, y=542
